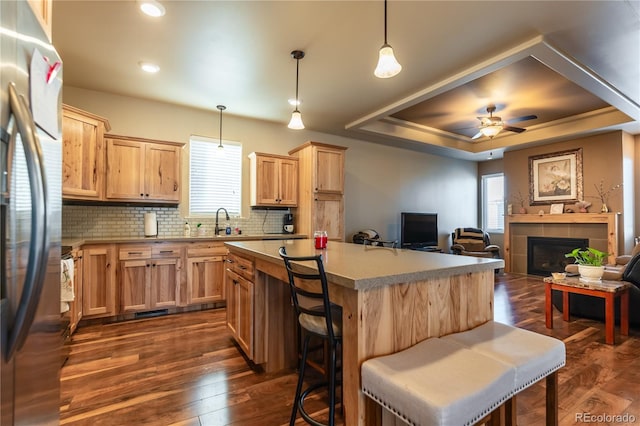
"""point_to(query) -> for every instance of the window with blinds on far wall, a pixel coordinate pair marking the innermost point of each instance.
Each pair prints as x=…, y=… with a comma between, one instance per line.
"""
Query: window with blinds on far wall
x=215, y=176
x=493, y=203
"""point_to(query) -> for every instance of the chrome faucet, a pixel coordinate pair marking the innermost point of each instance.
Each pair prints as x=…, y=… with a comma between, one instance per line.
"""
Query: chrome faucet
x=217, y=228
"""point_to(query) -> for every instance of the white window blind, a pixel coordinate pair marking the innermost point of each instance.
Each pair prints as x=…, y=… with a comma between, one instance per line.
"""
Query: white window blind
x=214, y=176
x=493, y=203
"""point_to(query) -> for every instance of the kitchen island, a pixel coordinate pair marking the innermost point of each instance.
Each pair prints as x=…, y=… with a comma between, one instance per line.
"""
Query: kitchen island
x=391, y=300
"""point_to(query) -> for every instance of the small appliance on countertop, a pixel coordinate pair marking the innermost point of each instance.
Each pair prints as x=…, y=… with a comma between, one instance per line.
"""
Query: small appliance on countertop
x=287, y=226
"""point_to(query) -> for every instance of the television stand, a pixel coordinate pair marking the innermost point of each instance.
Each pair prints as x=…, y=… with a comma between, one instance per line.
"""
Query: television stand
x=432, y=249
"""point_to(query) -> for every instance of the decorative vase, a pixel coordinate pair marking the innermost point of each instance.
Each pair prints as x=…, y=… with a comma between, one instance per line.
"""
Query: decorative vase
x=583, y=210
x=522, y=210
x=604, y=208
x=590, y=273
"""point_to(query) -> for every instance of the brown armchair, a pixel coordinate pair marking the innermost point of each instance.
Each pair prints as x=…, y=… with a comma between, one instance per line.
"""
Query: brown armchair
x=473, y=242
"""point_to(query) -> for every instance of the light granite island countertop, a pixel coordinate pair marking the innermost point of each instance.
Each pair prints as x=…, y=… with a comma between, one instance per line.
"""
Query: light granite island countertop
x=391, y=299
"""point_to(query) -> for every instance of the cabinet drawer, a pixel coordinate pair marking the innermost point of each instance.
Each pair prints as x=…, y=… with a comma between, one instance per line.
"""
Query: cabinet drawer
x=209, y=249
x=166, y=251
x=134, y=252
x=240, y=265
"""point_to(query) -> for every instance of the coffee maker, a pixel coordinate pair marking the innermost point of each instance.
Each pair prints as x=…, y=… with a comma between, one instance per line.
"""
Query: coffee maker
x=287, y=223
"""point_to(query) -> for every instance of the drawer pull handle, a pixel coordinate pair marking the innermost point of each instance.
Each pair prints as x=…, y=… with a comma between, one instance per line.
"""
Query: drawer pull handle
x=135, y=252
x=166, y=251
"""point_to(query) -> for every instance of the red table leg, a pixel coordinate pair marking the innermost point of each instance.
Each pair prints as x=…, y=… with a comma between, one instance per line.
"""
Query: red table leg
x=609, y=318
x=565, y=305
x=548, y=306
x=624, y=313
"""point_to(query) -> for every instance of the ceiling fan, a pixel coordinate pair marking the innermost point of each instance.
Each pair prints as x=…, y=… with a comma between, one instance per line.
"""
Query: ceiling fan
x=492, y=125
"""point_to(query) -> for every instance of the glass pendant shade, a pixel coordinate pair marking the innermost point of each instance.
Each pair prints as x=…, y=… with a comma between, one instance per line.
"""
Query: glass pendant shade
x=296, y=121
x=388, y=66
x=491, y=131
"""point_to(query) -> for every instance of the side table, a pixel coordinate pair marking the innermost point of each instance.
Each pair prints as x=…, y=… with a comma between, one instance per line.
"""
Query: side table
x=607, y=290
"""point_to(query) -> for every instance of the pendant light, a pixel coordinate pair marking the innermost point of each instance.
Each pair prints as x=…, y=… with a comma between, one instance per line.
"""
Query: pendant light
x=296, y=117
x=388, y=66
x=221, y=108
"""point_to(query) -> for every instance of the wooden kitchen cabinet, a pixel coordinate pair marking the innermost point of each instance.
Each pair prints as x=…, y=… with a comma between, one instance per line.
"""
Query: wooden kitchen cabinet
x=142, y=170
x=43, y=9
x=240, y=303
x=205, y=273
x=321, y=192
x=149, y=276
x=75, y=307
x=274, y=180
x=99, y=280
x=82, y=154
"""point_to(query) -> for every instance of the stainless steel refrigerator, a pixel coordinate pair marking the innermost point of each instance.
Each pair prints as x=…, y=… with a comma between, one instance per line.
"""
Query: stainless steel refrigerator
x=30, y=214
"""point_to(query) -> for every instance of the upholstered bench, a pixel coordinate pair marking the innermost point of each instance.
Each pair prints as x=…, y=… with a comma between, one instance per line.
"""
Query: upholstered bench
x=534, y=357
x=461, y=378
x=437, y=382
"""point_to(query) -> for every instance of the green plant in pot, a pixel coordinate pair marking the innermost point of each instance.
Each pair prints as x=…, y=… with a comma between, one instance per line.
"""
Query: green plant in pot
x=590, y=262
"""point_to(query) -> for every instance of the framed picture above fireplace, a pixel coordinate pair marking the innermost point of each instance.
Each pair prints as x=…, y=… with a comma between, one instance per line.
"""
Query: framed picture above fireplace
x=555, y=177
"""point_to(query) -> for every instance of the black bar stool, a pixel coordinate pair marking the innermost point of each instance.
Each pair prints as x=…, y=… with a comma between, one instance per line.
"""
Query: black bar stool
x=322, y=320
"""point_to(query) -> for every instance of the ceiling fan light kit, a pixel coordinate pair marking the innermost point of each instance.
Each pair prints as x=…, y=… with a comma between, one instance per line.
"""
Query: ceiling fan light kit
x=296, y=117
x=492, y=125
x=387, y=66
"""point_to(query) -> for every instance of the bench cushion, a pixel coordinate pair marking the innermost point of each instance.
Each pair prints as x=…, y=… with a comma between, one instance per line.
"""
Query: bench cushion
x=533, y=355
x=438, y=382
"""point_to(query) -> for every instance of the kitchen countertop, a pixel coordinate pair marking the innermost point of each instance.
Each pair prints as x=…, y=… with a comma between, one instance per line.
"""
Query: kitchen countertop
x=77, y=242
x=362, y=267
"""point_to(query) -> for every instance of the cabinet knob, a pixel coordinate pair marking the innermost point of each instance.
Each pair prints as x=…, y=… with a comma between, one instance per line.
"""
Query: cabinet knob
x=142, y=195
x=175, y=186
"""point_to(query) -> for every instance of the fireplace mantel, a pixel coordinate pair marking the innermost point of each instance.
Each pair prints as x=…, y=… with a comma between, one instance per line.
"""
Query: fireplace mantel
x=608, y=219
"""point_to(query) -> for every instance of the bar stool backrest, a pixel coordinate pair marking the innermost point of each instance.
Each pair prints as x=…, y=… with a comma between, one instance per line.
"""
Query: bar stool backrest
x=302, y=270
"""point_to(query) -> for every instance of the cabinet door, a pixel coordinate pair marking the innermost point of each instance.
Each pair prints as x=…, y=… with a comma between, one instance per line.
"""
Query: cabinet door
x=244, y=296
x=328, y=213
x=329, y=170
x=135, y=285
x=288, y=183
x=43, y=10
x=76, y=306
x=240, y=311
x=267, y=180
x=162, y=172
x=98, y=281
x=82, y=157
x=165, y=276
x=205, y=279
x=125, y=171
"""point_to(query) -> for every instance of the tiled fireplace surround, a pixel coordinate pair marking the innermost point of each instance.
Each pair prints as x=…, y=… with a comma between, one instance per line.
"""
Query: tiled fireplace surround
x=600, y=229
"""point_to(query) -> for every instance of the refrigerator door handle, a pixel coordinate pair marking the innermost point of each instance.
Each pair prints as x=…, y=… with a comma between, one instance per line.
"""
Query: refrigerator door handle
x=39, y=244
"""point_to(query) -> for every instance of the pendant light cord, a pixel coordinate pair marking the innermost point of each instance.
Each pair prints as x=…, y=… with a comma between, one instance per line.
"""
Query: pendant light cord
x=385, y=22
x=221, y=108
x=297, y=74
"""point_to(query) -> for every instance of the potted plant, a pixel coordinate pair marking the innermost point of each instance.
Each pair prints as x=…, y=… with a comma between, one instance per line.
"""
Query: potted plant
x=590, y=262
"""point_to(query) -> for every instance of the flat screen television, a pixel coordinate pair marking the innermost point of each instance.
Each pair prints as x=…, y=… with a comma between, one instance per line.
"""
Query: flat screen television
x=418, y=230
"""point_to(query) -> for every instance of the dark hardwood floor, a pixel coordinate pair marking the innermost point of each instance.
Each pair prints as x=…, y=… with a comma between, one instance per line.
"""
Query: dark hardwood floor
x=185, y=370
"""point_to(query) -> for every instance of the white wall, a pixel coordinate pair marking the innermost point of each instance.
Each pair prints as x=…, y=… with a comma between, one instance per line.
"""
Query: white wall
x=381, y=181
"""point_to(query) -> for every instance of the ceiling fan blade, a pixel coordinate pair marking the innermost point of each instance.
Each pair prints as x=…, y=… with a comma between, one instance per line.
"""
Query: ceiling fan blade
x=513, y=129
x=477, y=135
x=523, y=118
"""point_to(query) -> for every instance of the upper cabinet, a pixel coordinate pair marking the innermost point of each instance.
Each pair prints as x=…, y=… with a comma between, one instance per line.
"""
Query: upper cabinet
x=43, y=10
x=82, y=154
x=142, y=170
x=274, y=180
x=321, y=194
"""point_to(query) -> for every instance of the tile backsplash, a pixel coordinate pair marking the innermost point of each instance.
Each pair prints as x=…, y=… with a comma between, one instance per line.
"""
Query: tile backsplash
x=125, y=221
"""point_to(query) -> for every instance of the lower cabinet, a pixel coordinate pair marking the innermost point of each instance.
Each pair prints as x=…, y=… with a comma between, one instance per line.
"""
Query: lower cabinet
x=241, y=303
x=240, y=311
x=205, y=273
x=99, y=280
x=149, y=276
x=75, y=308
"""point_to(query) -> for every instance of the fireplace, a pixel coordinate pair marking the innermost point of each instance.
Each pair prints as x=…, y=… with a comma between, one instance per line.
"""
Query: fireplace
x=546, y=254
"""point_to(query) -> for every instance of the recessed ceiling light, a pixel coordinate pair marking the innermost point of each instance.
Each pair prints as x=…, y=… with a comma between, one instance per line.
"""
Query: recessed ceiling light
x=294, y=102
x=152, y=8
x=148, y=67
